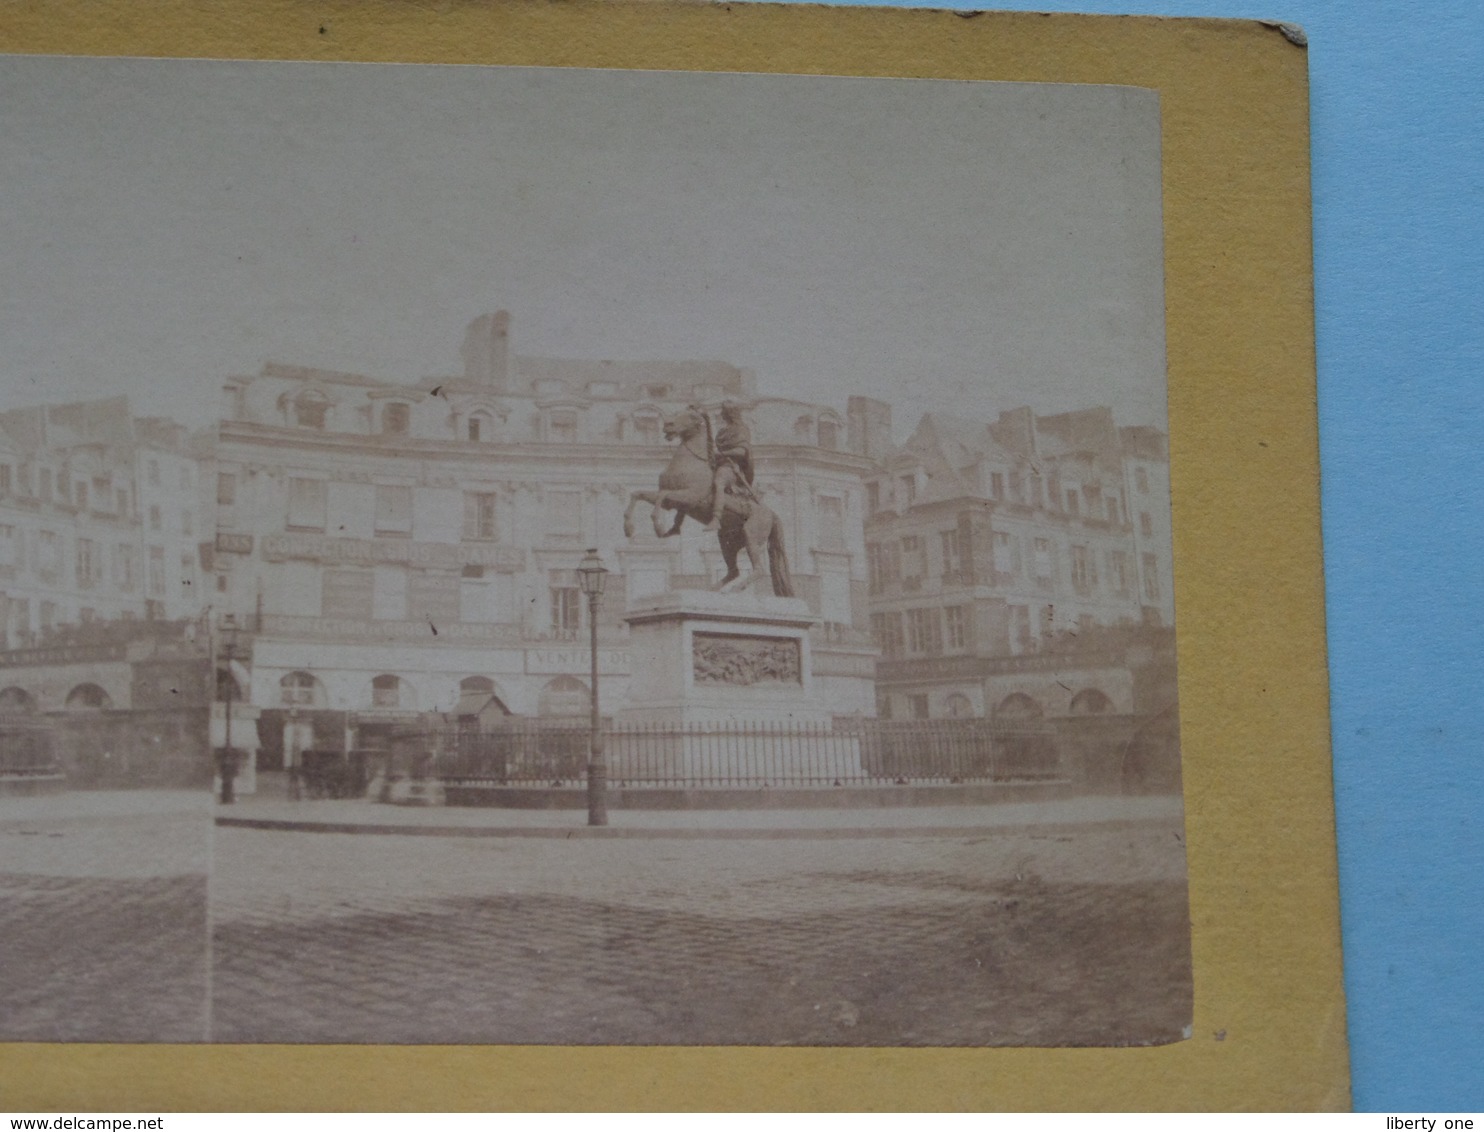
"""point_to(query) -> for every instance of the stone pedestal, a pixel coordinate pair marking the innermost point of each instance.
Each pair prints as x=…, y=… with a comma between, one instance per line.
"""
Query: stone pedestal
x=709, y=658
x=722, y=690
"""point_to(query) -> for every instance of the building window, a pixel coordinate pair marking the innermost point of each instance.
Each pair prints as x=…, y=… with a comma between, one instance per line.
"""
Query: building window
x=829, y=435
x=433, y=597
x=5, y=478
x=917, y=702
x=82, y=495
x=123, y=567
x=831, y=522
x=1151, y=578
x=157, y=571
x=1045, y=562
x=566, y=609
x=647, y=428
x=311, y=410
x=914, y=562
x=564, y=512
x=1037, y=488
x=12, y=554
x=1090, y=701
x=396, y=419
x=883, y=706
x=480, y=428
x=348, y=594
x=48, y=614
x=1111, y=505
x=887, y=629
x=1146, y=524
x=953, y=555
x=1006, y=556
x=307, y=504
x=102, y=490
x=297, y=689
x=393, y=510
x=187, y=573
x=152, y=471
x=386, y=692
x=997, y=484
x=1118, y=572
x=185, y=522
x=1084, y=570
x=121, y=496
x=46, y=485
x=885, y=561
x=924, y=632
x=1141, y=480
x=89, y=567
x=562, y=428
x=959, y=706
x=956, y=626
x=49, y=557
x=873, y=497
x=908, y=489
x=1020, y=626
x=1073, y=506
x=479, y=515
x=226, y=489
x=1017, y=707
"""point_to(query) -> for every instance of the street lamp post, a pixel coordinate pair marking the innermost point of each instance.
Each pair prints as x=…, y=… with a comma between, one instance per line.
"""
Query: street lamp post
x=592, y=575
x=228, y=762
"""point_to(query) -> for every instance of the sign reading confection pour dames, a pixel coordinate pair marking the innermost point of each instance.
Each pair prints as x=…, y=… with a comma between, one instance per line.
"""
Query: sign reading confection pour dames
x=438, y=555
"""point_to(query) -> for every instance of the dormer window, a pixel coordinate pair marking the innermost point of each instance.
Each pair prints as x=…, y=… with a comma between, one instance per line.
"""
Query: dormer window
x=396, y=419
x=311, y=410
x=829, y=434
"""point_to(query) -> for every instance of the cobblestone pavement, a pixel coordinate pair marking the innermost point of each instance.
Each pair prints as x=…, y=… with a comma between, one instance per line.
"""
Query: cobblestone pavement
x=1003, y=939
x=103, y=916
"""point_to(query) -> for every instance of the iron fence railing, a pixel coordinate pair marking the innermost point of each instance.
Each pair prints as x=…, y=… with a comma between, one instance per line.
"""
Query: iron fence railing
x=758, y=754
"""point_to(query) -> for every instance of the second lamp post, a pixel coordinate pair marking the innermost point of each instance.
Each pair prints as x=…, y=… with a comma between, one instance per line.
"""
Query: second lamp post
x=592, y=574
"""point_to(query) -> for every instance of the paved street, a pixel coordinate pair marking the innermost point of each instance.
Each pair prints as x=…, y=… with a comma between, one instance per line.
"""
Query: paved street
x=103, y=916
x=1004, y=938
x=925, y=932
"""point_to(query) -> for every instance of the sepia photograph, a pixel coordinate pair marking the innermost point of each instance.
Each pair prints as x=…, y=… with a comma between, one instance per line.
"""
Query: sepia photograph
x=580, y=557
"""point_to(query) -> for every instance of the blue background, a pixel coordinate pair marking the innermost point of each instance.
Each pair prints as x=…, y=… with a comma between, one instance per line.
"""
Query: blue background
x=1397, y=95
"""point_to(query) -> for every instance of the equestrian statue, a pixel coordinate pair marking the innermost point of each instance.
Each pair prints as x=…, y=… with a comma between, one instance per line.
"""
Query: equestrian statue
x=709, y=479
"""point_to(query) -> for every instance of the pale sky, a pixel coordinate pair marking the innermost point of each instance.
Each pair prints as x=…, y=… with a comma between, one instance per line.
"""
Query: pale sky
x=945, y=246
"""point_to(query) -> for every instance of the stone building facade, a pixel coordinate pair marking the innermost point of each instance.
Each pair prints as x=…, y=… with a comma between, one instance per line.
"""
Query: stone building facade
x=104, y=540
x=102, y=518
x=1020, y=569
x=393, y=546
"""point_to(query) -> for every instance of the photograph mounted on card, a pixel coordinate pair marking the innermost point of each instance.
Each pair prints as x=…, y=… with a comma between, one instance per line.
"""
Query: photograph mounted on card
x=653, y=554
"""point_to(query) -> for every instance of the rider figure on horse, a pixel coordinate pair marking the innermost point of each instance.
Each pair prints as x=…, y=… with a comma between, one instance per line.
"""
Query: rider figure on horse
x=732, y=469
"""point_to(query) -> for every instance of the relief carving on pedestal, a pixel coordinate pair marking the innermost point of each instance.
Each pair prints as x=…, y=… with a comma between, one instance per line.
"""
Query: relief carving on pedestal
x=744, y=661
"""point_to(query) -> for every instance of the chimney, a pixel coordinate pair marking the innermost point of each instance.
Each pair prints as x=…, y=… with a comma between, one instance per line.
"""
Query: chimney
x=868, y=427
x=487, y=350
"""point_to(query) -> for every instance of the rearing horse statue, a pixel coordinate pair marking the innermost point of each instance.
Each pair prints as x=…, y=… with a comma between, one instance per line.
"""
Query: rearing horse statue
x=686, y=488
